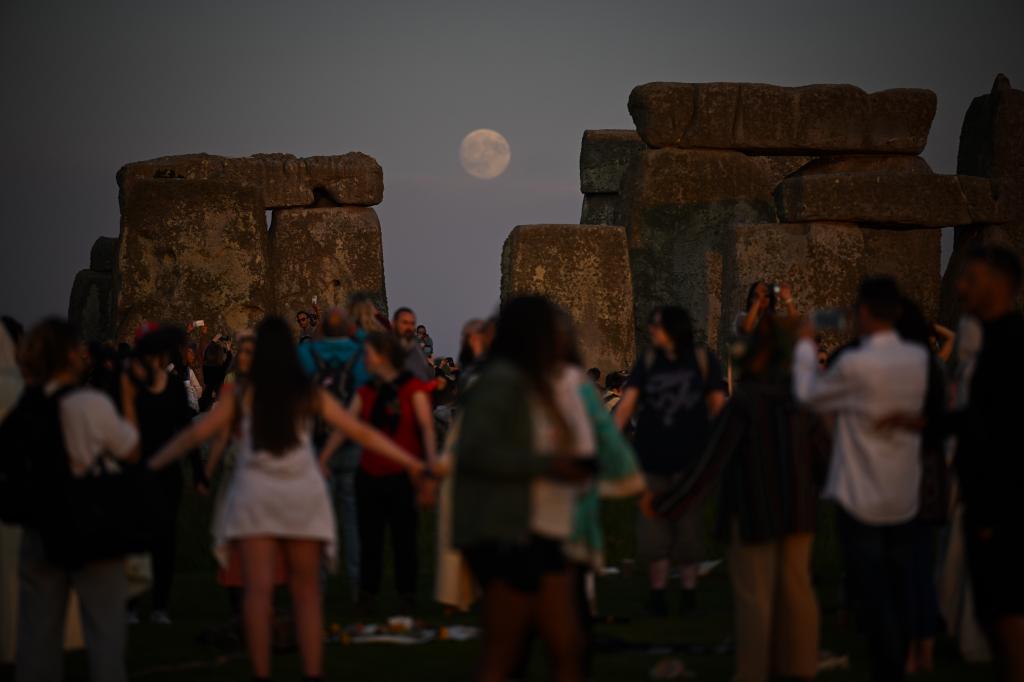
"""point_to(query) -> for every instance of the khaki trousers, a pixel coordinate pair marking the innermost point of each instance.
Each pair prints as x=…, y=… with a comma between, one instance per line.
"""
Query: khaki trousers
x=776, y=610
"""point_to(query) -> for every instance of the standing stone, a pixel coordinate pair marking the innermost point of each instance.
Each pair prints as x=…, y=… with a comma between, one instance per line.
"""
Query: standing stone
x=823, y=262
x=991, y=145
x=815, y=119
x=103, y=256
x=584, y=269
x=676, y=206
x=601, y=209
x=604, y=157
x=330, y=253
x=191, y=250
x=889, y=198
x=281, y=180
x=913, y=256
x=91, y=308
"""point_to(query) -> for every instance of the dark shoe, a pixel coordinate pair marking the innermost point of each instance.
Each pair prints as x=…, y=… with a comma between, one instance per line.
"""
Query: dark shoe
x=657, y=604
x=688, y=602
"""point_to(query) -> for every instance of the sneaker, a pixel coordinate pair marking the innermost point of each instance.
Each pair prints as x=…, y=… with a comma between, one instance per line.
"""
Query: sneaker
x=159, y=618
x=132, y=618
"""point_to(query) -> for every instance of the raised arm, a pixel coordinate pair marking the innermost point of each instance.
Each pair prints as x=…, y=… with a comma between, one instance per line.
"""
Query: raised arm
x=217, y=420
x=334, y=414
x=626, y=407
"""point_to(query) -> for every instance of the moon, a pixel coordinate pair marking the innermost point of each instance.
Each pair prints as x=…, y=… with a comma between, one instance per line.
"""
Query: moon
x=485, y=153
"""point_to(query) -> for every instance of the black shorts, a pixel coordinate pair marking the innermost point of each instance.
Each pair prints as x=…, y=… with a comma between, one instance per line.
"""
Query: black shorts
x=520, y=566
x=997, y=572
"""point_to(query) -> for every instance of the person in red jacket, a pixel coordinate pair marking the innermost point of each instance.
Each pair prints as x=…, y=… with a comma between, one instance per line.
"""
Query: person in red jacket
x=399, y=405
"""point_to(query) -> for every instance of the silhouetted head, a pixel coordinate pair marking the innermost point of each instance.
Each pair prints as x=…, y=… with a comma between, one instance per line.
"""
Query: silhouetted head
x=671, y=330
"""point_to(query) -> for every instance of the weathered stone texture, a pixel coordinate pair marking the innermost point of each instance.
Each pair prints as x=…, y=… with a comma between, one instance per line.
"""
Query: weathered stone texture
x=992, y=136
x=866, y=163
x=825, y=262
x=330, y=253
x=913, y=256
x=601, y=209
x=676, y=206
x=900, y=198
x=191, y=250
x=103, y=256
x=992, y=145
x=604, y=157
x=778, y=168
x=814, y=119
x=584, y=269
x=281, y=180
x=91, y=307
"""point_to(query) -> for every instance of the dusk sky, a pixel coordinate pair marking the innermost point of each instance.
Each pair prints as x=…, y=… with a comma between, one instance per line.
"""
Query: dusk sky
x=89, y=86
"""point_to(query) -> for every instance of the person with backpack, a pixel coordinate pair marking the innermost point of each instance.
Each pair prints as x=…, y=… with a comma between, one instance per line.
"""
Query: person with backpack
x=58, y=435
x=336, y=364
x=399, y=405
x=675, y=390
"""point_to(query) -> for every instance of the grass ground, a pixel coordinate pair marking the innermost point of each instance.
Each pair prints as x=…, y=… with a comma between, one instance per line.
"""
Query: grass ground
x=165, y=654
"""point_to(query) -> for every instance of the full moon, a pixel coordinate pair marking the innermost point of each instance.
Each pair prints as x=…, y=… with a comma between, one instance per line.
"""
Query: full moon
x=485, y=154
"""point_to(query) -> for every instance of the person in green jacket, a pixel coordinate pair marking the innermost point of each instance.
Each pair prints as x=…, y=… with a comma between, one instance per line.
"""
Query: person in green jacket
x=517, y=461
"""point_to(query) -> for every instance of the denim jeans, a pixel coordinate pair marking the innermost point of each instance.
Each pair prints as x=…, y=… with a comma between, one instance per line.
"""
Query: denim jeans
x=342, y=487
x=879, y=573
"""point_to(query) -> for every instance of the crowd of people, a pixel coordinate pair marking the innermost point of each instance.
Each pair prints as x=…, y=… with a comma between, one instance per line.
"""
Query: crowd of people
x=331, y=436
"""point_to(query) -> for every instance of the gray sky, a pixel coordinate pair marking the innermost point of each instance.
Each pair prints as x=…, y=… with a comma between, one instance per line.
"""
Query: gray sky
x=89, y=86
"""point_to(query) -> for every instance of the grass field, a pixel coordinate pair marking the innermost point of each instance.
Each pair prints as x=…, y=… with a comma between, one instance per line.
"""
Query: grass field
x=627, y=651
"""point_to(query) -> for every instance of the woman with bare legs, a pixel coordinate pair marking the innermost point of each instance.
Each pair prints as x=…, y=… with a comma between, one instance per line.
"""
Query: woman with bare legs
x=277, y=501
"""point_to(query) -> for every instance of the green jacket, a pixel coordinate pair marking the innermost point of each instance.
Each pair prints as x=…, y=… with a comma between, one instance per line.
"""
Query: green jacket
x=495, y=461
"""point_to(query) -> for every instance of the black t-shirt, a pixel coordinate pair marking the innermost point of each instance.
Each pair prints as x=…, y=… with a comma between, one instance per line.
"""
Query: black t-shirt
x=672, y=415
x=161, y=416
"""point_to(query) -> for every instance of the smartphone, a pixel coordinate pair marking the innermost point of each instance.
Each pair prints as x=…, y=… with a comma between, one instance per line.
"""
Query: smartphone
x=830, y=319
x=198, y=323
x=314, y=300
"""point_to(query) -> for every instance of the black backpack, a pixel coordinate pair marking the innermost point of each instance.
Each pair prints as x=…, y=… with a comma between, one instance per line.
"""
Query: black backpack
x=100, y=516
x=337, y=379
x=32, y=458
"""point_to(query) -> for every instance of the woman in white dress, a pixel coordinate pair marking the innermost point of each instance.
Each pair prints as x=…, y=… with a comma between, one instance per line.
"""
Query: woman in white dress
x=277, y=500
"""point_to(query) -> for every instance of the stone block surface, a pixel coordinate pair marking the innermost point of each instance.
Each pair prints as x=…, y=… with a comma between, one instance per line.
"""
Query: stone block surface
x=191, y=250
x=604, y=157
x=91, y=307
x=330, y=253
x=584, y=269
x=815, y=119
x=281, y=180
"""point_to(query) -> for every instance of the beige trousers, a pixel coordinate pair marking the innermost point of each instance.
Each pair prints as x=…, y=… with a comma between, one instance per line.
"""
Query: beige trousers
x=776, y=610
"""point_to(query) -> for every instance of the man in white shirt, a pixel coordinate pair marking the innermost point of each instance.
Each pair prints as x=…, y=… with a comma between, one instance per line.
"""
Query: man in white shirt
x=875, y=473
x=91, y=429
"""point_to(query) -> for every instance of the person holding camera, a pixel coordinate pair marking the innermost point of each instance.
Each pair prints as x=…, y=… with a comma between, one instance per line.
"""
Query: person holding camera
x=86, y=432
x=764, y=298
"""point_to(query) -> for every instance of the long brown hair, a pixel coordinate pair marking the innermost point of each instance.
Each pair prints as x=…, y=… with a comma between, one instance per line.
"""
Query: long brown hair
x=282, y=395
x=527, y=336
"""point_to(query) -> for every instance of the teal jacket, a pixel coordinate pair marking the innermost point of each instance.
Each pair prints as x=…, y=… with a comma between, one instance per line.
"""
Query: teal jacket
x=495, y=461
x=617, y=476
